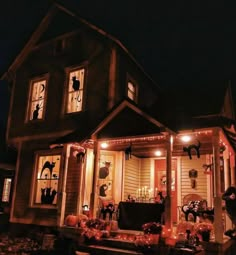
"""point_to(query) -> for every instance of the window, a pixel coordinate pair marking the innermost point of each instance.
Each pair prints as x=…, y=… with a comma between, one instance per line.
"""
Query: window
x=75, y=90
x=37, y=99
x=6, y=190
x=47, y=177
x=132, y=91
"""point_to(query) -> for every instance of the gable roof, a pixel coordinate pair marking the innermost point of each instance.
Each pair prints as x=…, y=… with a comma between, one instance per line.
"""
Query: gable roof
x=54, y=10
x=124, y=120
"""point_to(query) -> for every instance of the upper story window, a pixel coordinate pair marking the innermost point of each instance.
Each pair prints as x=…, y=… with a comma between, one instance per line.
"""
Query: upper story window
x=132, y=91
x=47, y=177
x=75, y=90
x=37, y=99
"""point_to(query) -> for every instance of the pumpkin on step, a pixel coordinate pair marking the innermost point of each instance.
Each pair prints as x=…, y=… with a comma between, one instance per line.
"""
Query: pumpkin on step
x=71, y=220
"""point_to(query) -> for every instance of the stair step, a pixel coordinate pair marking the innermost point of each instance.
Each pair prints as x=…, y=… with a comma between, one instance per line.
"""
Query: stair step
x=111, y=250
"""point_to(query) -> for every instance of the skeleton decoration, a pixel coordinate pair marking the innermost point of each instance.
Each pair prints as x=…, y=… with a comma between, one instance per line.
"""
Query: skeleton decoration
x=191, y=147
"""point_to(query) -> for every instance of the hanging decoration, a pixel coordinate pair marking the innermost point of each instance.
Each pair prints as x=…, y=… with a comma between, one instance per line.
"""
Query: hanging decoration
x=192, y=147
x=207, y=168
x=80, y=154
x=193, y=175
x=128, y=151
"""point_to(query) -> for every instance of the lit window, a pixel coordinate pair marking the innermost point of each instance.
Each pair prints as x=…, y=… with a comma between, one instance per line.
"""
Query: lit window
x=132, y=91
x=37, y=99
x=47, y=178
x=75, y=90
x=6, y=190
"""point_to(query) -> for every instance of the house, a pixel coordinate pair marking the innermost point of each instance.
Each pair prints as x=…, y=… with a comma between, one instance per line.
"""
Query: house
x=87, y=120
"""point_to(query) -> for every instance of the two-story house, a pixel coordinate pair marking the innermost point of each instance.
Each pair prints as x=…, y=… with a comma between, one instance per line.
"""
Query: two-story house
x=90, y=125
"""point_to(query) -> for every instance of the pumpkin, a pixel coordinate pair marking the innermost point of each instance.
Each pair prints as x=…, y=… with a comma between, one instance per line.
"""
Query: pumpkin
x=71, y=220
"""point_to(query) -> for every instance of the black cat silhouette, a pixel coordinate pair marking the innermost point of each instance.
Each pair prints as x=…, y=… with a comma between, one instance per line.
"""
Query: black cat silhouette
x=76, y=86
x=48, y=165
x=36, y=112
x=193, y=147
x=47, y=196
x=104, y=171
x=102, y=190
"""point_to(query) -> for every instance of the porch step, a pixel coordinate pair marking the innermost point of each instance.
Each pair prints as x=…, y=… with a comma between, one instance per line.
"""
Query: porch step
x=106, y=250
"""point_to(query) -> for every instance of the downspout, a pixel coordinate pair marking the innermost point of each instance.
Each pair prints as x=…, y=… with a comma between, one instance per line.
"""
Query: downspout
x=168, y=202
x=218, y=224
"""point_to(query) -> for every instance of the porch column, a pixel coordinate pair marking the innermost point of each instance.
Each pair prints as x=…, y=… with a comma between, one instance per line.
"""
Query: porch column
x=218, y=224
x=232, y=169
x=93, y=195
x=226, y=168
x=168, y=203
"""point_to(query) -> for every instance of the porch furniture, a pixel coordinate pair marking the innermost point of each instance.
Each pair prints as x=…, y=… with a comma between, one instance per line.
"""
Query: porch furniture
x=133, y=215
x=195, y=205
x=107, y=208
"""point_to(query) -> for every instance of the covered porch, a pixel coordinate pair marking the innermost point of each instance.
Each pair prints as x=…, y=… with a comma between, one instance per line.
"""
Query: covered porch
x=135, y=173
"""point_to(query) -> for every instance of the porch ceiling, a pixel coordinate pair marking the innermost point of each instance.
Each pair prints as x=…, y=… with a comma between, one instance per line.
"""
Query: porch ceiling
x=145, y=147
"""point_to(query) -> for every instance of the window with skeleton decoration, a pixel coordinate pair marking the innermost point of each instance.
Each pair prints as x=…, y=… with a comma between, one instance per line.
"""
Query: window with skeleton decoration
x=75, y=90
x=37, y=98
x=47, y=177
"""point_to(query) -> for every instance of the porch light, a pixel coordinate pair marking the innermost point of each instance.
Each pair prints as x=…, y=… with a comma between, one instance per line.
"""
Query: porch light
x=104, y=145
x=186, y=138
x=158, y=153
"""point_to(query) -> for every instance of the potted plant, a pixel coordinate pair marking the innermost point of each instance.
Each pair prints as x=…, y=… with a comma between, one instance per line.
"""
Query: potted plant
x=203, y=230
x=153, y=230
x=94, y=229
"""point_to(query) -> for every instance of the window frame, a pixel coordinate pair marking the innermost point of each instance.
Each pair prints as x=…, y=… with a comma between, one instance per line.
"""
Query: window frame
x=68, y=71
x=30, y=96
x=38, y=154
x=7, y=190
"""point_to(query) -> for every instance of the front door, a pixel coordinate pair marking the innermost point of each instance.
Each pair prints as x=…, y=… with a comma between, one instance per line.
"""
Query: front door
x=160, y=182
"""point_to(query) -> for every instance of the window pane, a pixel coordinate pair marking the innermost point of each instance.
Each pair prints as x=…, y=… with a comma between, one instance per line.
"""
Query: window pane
x=131, y=91
x=37, y=100
x=75, y=90
x=47, y=179
x=6, y=190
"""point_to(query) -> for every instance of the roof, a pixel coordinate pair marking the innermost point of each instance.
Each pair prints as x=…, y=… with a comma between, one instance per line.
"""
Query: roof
x=124, y=120
x=66, y=10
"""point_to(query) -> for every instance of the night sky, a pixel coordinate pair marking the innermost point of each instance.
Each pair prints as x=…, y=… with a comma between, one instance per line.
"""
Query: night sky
x=186, y=42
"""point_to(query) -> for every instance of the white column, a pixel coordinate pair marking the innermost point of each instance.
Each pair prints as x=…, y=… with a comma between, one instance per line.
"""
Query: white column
x=226, y=168
x=93, y=196
x=168, y=203
x=218, y=223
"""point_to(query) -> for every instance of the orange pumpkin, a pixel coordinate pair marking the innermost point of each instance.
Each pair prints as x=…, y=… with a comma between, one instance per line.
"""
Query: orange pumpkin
x=71, y=220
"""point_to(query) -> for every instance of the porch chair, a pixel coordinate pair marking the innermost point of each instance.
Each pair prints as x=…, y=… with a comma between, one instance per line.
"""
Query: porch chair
x=193, y=204
x=107, y=208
